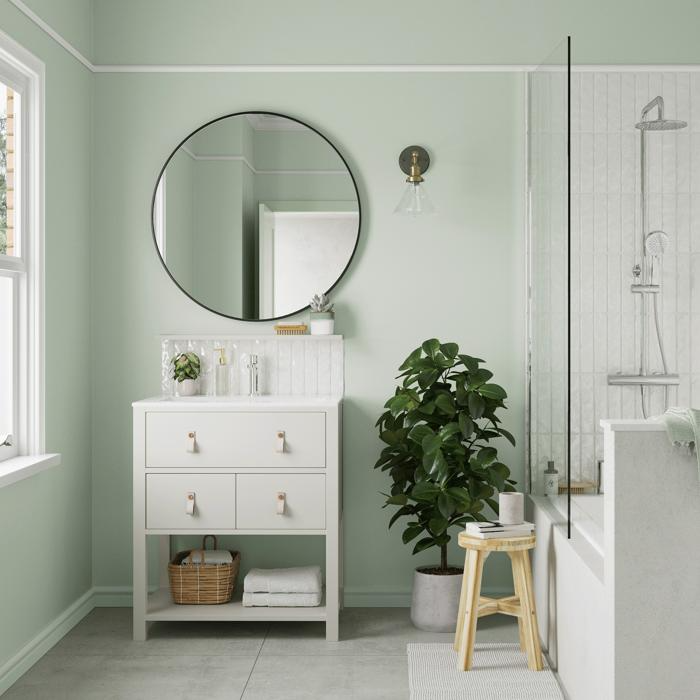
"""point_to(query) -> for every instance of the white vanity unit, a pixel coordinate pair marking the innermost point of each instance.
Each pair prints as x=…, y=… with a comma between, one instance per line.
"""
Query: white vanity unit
x=235, y=466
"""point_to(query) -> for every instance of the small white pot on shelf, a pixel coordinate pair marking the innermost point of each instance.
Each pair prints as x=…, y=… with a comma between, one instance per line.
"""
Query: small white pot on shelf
x=187, y=387
x=322, y=322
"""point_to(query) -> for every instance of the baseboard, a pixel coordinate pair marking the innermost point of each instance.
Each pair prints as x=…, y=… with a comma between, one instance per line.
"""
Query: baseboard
x=112, y=596
x=33, y=650
x=363, y=598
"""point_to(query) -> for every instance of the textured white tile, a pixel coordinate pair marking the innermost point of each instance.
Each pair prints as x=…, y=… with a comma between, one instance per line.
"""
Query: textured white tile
x=287, y=365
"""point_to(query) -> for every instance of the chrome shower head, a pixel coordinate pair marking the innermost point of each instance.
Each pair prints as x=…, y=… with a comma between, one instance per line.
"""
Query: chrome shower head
x=655, y=243
x=658, y=124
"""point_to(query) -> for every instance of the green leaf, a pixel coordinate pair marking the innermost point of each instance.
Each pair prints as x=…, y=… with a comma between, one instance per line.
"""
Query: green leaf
x=487, y=455
x=476, y=405
x=445, y=404
x=423, y=544
x=479, y=377
x=435, y=464
x=400, y=499
x=471, y=363
x=466, y=425
x=425, y=491
x=390, y=437
x=447, y=431
x=431, y=347
x=446, y=505
x=460, y=495
x=508, y=436
x=493, y=391
x=411, y=532
x=419, y=432
x=411, y=360
x=431, y=443
x=427, y=377
x=449, y=350
x=438, y=525
x=406, y=510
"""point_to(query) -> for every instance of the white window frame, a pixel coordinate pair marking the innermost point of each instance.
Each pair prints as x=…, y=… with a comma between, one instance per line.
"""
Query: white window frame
x=24, y=73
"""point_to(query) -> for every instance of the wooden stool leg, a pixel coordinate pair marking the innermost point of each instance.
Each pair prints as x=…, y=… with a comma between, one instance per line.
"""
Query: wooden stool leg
x=471, y=608
x=518, y=592
x=462, y=602
x=521, y=570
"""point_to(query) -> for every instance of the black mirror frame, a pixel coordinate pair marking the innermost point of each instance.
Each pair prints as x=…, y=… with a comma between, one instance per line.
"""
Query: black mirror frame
x=240, y=114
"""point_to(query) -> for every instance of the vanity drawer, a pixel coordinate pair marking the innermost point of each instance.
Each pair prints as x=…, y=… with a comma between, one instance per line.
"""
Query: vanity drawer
x=303, y=506
x=214, y=497
x=235, y=440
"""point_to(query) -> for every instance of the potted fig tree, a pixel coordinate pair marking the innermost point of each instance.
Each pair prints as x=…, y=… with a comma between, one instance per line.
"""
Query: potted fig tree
x=444, y=472
x=186, y=368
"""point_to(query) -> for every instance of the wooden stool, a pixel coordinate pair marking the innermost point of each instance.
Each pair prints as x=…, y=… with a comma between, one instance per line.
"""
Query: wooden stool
x=473, y=605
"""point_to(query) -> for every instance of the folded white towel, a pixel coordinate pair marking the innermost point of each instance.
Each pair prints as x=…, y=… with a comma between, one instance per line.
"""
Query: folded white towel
x=281, y=600
x=300, y=579
x=211, y=556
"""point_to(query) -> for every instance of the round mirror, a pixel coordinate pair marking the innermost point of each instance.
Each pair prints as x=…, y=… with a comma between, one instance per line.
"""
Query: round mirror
x=254, y=213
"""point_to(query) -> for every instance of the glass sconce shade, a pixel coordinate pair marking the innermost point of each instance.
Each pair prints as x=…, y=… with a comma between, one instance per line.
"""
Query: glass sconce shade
x=414, y=200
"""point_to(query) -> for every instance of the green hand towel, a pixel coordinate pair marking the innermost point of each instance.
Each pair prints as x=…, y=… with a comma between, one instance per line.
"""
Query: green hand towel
x=683, y=429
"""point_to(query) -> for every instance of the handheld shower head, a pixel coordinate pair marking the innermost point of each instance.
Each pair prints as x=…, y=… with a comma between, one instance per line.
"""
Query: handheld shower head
x=655, y=243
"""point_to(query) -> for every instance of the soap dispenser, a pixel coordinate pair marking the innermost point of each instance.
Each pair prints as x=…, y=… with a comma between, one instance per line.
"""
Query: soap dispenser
x=222, y=374
x=551, y=480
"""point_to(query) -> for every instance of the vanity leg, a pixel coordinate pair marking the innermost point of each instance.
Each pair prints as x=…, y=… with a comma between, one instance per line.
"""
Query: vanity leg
x=140, y=593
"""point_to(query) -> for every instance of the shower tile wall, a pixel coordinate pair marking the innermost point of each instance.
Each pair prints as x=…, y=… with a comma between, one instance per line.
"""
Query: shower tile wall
x=606, y=243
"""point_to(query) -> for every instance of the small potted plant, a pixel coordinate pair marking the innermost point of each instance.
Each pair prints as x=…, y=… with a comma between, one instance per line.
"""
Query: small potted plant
x=437, y=429
x=186, y=368
x=322, y=317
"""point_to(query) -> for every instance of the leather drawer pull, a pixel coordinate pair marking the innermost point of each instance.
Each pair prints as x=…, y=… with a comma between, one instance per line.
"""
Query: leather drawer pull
x=189, y=503
x=279, y=444
x=191, y=445
x=281, y=502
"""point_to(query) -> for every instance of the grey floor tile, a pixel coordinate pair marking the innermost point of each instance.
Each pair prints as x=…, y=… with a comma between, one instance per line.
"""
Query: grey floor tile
x=328, y=677
x=58, y=677
x=371, y=631
x=107, y=631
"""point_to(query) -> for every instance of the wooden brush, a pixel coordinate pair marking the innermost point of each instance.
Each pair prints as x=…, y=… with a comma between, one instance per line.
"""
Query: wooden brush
x=578, y=487
x=291, y=329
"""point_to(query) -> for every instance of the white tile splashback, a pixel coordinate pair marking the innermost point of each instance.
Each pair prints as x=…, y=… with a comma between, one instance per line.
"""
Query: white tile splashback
x=290, y=365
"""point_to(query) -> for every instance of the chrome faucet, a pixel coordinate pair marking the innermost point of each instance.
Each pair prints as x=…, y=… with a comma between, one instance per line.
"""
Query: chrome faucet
x=253, y=365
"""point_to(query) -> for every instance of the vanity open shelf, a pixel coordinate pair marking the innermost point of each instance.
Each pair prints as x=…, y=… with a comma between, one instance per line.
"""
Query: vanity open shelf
x=235, y=467
x=162, y=609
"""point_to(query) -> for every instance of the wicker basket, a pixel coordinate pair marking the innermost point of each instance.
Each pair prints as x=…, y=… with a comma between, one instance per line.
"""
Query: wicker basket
x=202, y=584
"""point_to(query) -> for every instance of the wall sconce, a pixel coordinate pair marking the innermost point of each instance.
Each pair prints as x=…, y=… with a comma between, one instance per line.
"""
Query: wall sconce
x=414, y=161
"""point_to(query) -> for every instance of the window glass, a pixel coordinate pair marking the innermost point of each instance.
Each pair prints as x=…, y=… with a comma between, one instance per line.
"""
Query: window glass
x=6, y=358
x=9, y=103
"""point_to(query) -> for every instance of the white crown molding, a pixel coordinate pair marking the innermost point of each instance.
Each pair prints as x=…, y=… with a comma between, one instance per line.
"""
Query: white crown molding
x=53, y=34
x=255, y=171
x=339, y=68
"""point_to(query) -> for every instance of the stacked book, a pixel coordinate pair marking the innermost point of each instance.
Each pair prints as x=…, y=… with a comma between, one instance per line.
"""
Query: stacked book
x=493, y=529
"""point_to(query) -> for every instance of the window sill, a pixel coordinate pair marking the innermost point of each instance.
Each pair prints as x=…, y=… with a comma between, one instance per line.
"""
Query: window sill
x=18, y=468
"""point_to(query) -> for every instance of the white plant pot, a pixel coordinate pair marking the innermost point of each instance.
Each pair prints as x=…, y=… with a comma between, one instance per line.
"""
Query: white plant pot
x=435, y=601
x=322, y=326
x=187, y=387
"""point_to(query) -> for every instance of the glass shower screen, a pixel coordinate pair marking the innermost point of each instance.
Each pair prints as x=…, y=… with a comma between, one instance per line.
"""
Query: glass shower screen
x=549, y=223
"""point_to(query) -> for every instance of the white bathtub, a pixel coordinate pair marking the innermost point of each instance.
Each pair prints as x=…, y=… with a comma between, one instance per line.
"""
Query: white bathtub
x=620, y=580
x=586, y=517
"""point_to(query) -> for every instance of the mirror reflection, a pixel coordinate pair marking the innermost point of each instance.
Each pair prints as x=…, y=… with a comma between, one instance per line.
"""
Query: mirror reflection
x=255, y=213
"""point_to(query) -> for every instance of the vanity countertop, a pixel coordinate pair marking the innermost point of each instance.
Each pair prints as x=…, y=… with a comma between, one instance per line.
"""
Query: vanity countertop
x=256, y=403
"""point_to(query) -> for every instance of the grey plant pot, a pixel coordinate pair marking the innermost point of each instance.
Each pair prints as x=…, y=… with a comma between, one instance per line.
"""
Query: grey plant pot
x=435, y=601
x=322, y=322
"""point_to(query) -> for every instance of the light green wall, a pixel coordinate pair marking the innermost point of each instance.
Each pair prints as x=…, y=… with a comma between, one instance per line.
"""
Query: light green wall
x=179, y=218
x=457, y=275
x=72, y=19
x=386, y=31
x=45, y=521
x=218, y=234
